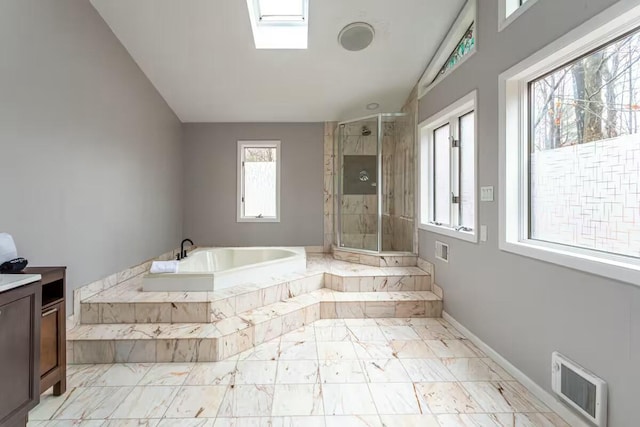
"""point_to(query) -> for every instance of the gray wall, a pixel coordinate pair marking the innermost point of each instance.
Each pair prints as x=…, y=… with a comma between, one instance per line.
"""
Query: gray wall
x=89, y=151
x=524, y=308
x=210, y=184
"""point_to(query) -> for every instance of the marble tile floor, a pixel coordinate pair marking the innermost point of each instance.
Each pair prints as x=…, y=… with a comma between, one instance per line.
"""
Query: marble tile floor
x=332, y=373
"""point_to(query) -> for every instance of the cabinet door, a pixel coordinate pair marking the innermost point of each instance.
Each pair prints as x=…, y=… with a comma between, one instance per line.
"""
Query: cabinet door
x=49, y=340
x=15, y=354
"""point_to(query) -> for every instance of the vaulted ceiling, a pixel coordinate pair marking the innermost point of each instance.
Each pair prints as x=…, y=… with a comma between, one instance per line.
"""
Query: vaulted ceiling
x=201, y=57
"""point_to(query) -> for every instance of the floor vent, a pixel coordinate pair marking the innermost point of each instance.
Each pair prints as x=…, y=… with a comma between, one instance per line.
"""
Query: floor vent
x=580, y=389
x=442, y=251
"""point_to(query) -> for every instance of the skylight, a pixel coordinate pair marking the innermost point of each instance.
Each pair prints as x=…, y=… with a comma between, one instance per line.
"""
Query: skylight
x=281, y=11
x=279, y=24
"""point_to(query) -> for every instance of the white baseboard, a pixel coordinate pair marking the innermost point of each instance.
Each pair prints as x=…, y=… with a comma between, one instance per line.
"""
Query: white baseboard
x=547, y=398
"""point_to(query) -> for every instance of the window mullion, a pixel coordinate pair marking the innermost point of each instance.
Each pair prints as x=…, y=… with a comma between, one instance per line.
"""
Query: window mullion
x=432, y=179
x=454, y=172
x=242, y=182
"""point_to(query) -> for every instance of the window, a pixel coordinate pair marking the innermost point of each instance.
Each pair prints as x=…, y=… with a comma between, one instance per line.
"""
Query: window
x=258, y=181
x=509, y=10
x=457, y=47
x=570, y=151
x=279, y=24
x=270, y=11
x=448, y=172
x=464, y=47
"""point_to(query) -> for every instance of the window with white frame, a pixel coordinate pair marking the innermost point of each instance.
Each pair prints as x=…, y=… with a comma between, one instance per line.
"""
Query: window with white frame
x=279, y=24
x=570, y=152
x=448, y=171
x=457, y=47
x=259, y=181
x=509, y=10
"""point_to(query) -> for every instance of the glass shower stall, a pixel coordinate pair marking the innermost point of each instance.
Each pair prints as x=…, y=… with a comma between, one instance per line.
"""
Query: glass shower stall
x=375, y=183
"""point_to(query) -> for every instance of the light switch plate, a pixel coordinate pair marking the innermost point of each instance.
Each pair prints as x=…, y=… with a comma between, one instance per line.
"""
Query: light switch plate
x=483, y=233
x=486, y=194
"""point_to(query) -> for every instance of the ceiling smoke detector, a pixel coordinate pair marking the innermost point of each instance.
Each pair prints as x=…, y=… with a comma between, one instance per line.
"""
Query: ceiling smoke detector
x=356, y=36
x=373, y=106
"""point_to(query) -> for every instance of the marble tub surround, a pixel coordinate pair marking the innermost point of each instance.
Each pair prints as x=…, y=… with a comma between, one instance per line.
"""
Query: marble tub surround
x=109, y=282
x=206, y=342
x=126, y=301
x=309, y=377
x=124, y=324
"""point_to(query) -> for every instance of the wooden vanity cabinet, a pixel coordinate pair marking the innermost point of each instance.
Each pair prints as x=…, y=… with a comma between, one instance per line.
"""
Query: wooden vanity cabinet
x=53, y=345
x=20, y=314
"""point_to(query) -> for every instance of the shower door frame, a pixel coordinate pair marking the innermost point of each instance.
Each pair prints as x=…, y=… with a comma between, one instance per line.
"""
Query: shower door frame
x=379, y=183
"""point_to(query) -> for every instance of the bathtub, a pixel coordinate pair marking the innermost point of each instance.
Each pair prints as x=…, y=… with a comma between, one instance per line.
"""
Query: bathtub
x=209, y=269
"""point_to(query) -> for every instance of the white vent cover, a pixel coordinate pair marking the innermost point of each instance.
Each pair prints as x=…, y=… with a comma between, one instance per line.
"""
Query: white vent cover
x=356, y=36
x=579, y=388
x=442, y=251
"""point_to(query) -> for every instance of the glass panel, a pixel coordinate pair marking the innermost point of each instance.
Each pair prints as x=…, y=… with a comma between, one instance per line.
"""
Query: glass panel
x=442, y=175
x=281, y=9
x=359, y=184
x=467, y=170
x=260, y=180
x=463, y=47
x=585, y=151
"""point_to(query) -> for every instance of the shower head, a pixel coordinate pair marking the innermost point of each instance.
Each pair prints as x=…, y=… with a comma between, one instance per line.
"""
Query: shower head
x=366, y=131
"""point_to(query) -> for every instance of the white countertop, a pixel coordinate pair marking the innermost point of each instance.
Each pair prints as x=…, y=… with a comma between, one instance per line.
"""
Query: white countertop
x=11, y=281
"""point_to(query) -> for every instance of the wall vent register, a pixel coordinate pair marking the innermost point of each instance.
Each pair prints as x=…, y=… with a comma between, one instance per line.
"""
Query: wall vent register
x=580, y=389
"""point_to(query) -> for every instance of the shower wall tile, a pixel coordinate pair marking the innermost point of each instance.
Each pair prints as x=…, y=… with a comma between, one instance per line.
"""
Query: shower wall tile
x=371, y=242
x=329, y=129
x=329, y=188
x=369, y=145
x=328, y=165
x=369, y=224
x=370, y=204
x=352, y=204
x=353, y=145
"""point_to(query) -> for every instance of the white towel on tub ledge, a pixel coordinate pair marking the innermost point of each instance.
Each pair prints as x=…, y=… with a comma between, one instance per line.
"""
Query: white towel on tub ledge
x=158, y=267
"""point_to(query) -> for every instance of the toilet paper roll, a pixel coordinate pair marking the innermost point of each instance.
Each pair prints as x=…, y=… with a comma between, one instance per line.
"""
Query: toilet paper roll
x=8, y=249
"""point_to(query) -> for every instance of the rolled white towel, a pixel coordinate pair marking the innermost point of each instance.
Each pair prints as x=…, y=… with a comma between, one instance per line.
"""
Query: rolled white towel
x=158, y=267
x=8, y=249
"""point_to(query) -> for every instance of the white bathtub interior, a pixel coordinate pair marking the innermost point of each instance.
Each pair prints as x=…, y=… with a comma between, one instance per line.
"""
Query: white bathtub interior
x=210, y=269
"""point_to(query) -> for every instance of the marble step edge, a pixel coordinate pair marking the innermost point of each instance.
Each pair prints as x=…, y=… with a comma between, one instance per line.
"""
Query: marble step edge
x=251, y=317
x=106, y=296
x=233, y=301
x=209, y=342
x=402, y=259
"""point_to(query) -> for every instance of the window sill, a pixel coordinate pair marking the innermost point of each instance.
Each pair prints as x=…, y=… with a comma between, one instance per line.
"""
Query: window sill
x=606, y=265
x=467, y=236
x=258, y=220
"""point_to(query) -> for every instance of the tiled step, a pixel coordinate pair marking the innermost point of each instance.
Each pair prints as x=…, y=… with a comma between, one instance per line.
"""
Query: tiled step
x=128, y=304
x=416, y=281
x=134, y=306
x=205, y=342
x=376, y=260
